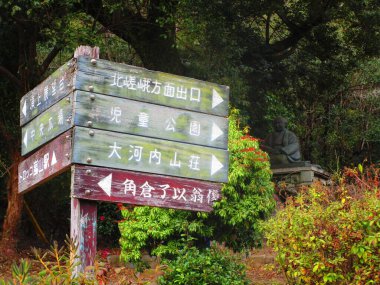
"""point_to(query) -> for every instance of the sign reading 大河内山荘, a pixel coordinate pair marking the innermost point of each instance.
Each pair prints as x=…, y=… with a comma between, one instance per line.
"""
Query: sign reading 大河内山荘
x=137, y=153
x=125, y=81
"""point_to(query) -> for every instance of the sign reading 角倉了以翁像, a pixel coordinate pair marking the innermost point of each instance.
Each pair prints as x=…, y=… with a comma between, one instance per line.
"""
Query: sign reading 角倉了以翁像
x=121, y=186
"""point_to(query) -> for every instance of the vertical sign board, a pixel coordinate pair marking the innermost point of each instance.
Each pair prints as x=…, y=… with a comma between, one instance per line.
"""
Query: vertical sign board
x=120, y=186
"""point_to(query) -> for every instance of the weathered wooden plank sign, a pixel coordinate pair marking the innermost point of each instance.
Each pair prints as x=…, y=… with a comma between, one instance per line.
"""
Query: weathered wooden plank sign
x=140, y=84
x=48, y=125
x=138, y=118
x=120, y=186
x=123, y=151
x=121, y=80
x=47, y=93
x=49, y=161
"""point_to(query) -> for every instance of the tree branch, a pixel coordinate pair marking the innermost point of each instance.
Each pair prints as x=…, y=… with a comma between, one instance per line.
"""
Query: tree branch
x=5, y=72
x=49, y=58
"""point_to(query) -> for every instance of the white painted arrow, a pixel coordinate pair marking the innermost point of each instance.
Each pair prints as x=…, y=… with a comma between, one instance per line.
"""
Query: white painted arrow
x=105, y=184
x=26, y=139
x=53, y=159
x=215, y=132
x=216, y=98
x=216, y=165
x=24, y=109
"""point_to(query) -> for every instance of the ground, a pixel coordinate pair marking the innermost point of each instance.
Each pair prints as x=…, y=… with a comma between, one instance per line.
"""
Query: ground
x=261, y=268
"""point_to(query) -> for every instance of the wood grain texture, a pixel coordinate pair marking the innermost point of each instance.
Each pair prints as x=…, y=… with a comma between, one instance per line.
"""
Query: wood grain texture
x=47, y=93
x=120, y=186
x=123, y=151
x=48, y=125
x=83, y=233
x=150, y=120
x=121, y=80
x=49, y=161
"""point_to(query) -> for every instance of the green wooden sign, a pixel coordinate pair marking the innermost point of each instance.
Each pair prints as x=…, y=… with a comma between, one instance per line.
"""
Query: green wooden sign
x=47, y=93
x=127, y=116
x=47, y=126
x=125, y=81
x=140, y=84
x=123, y=151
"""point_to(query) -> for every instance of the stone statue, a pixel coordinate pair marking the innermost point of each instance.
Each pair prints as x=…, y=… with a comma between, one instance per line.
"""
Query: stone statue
x=282, y=145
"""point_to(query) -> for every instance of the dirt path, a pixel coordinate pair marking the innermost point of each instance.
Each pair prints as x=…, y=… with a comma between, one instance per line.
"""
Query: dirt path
x=261, y=269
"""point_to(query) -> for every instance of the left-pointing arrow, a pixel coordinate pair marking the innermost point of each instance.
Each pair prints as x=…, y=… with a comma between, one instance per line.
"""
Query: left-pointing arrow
x=24, y=109
x=105, y=184
x=26, y=139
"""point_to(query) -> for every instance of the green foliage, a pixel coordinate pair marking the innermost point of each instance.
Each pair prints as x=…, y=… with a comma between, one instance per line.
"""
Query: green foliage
x=331, y=234
x=107, y=226
x=246, y=199
x=211, y=266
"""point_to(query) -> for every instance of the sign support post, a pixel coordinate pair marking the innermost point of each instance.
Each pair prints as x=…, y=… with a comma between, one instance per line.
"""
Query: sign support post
x=83, y=233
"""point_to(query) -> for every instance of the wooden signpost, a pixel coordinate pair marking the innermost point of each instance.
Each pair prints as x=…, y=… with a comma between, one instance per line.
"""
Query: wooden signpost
x=120, y=186
x=130, y=135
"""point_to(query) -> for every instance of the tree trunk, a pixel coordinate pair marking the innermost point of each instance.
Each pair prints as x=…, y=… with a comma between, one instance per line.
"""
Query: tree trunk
x=12, y=218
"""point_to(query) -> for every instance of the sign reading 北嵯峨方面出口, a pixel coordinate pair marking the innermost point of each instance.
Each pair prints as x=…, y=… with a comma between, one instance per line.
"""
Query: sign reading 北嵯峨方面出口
x=125, y=81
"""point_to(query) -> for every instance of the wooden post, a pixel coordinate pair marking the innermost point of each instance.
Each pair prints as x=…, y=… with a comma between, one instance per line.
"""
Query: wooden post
x=83, y=232
x=84, y=213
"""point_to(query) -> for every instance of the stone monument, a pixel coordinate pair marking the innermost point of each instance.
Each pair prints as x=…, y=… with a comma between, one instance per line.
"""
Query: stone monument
x=290, y=172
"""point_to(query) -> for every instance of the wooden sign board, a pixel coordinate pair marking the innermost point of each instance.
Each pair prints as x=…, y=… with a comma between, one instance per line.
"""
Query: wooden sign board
x=47, y=126
x=49, y=161
x=138, y=118
x=128, y=152
x=121, y=80
x=120, y=186
x=47, y=93
x=161, y=88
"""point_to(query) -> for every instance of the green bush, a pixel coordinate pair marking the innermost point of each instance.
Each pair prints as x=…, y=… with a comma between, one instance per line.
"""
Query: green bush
x=331, y=235
x=247, y=198
x=209, y=266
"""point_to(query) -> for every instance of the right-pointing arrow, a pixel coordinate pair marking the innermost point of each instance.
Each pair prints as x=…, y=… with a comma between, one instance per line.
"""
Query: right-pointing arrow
x=215, y=132
x=216, y=165
x=216, y=98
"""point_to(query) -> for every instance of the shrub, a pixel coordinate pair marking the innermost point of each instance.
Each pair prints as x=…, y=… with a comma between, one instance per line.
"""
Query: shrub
x=58, y=267
x=331, y=235
x=208, y=266
x=247, y=198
